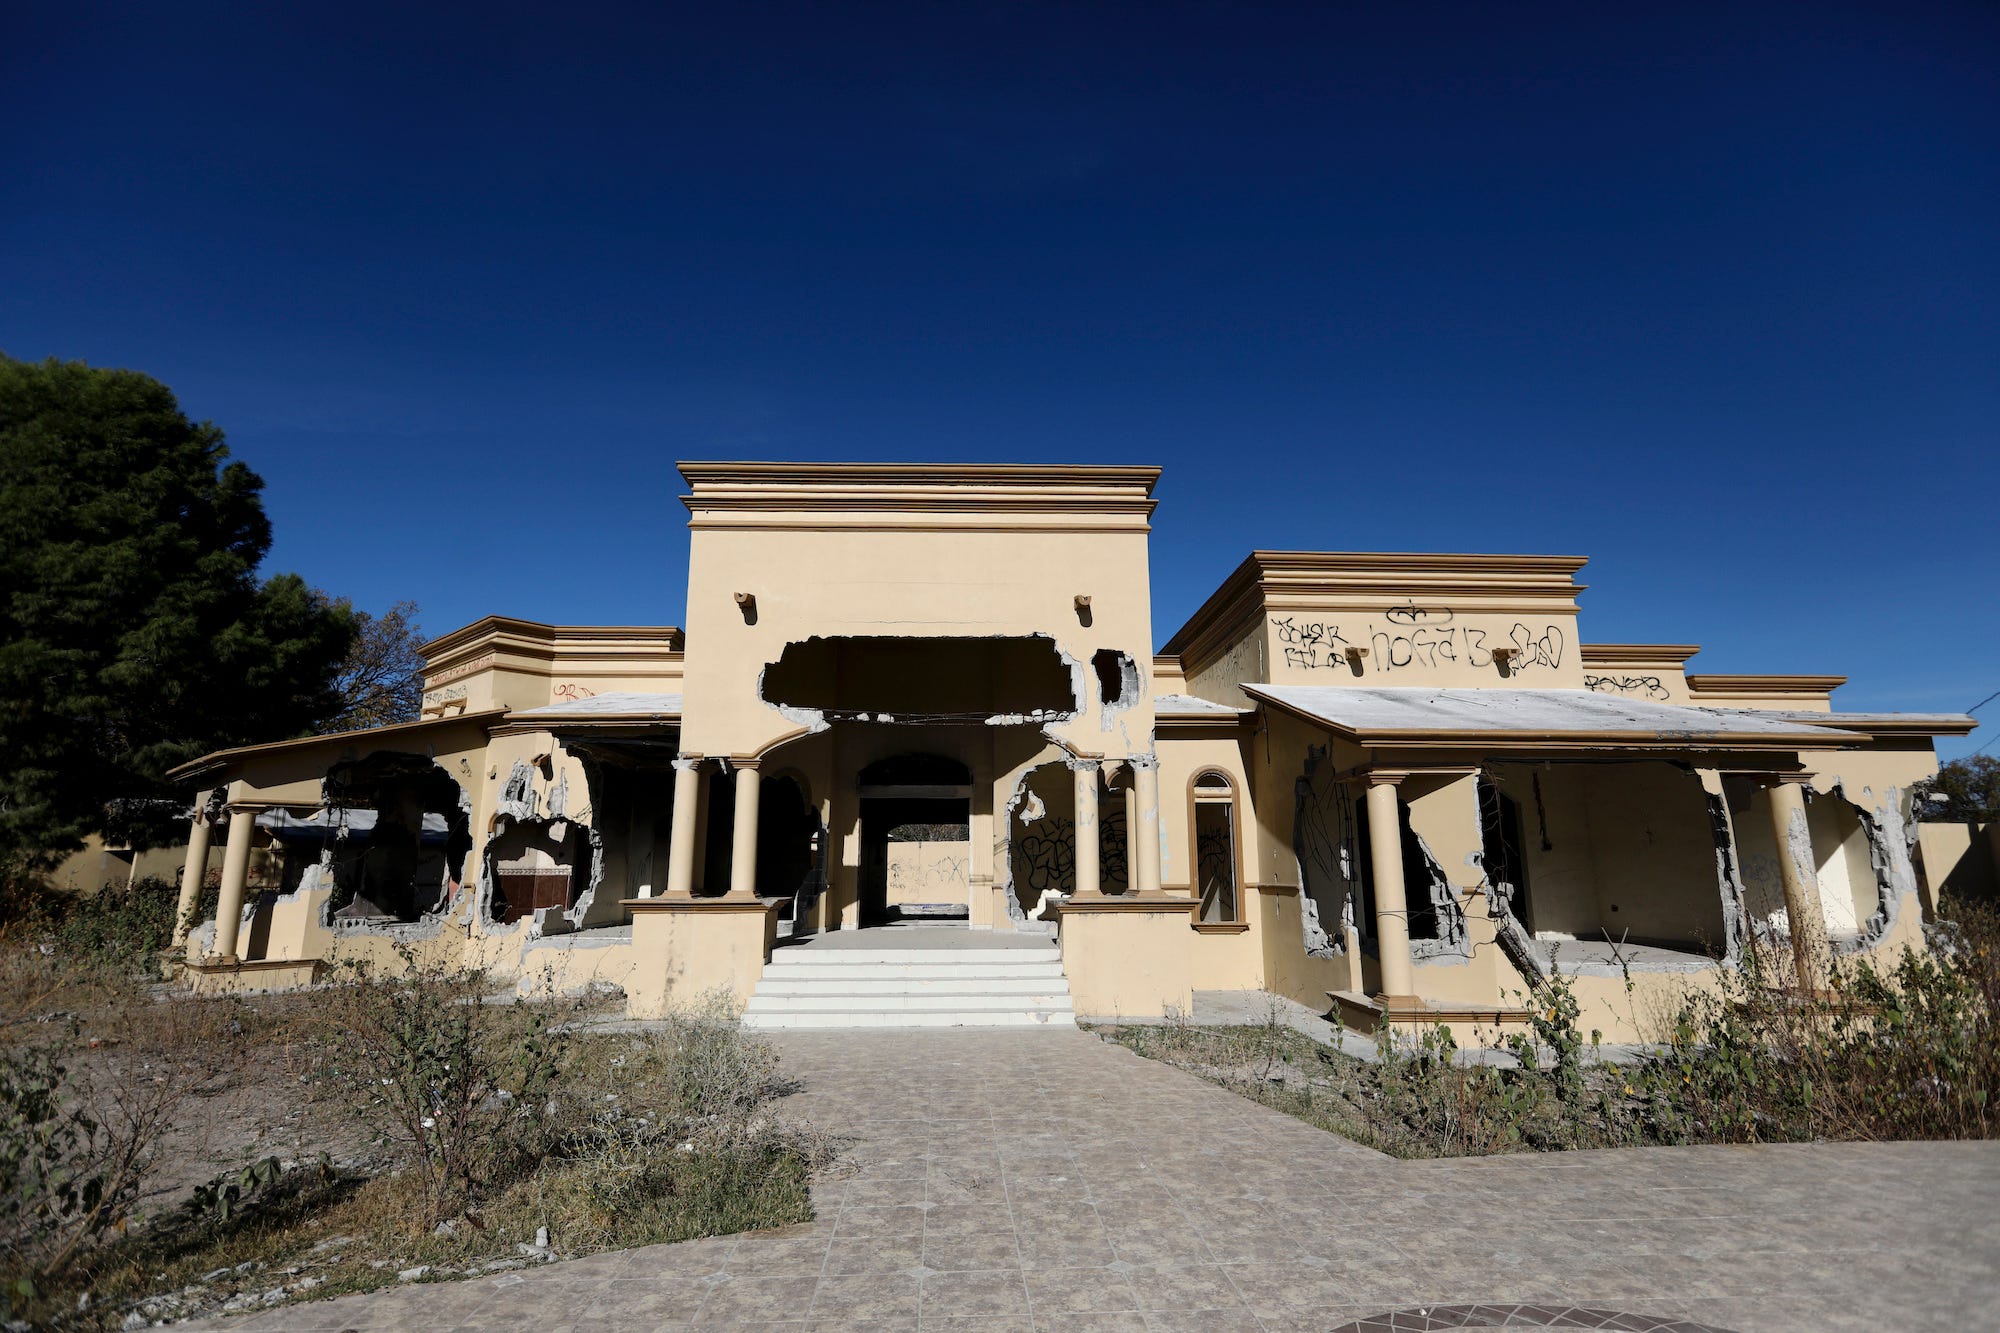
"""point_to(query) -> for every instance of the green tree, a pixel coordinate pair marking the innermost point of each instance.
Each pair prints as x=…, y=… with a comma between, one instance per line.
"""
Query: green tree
x=134, y=632
x=1970, y=788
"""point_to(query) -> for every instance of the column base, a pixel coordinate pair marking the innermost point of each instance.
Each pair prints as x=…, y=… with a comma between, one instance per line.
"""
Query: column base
x=1128, y=955
x=1369, y=1014
x=690, y=948
x=229, y=976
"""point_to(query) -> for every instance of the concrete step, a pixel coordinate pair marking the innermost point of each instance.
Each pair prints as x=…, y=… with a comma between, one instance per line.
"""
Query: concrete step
x=910, y=957
x=760, y=1003
x=887, y=988
x=801, y=971
x=785, y=984
x=1020, y=1018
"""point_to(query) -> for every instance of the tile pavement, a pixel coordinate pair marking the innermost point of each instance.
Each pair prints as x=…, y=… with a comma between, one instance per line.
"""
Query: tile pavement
x=1000, y=1181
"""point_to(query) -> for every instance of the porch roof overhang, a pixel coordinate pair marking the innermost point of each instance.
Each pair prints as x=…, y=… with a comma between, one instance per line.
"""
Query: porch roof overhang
x=1890, y=724
x=336, y=742
x=1548, y=721
x=1185, y=712
x=614, y=711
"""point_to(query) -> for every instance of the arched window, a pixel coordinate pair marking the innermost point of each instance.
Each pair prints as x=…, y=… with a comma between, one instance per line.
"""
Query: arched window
x=1215, y=859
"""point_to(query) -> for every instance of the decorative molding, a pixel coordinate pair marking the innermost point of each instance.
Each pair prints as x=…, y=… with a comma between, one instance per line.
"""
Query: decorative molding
x=954, y=496
x=1162, y=904
x=1373, y=581
x=1669, y=656
x=719, y=903
x=1220, y=927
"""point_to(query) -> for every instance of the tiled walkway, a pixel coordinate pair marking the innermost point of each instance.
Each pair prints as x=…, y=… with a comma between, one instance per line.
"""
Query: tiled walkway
x=1048, y=1180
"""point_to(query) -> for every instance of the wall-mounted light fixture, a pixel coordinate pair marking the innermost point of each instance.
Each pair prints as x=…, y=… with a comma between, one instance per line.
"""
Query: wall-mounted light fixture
x=1505, y=655
x=1083, y=601
x=1355, y=652
x=746, y=602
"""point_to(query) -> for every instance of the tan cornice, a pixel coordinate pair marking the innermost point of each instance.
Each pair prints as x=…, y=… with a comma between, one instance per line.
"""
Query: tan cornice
x=848, y=475
x=1772, y=687
x=1649, y=654
x=953, y=496
x=529, y=640
x=1186, y=722
x=1375, y=582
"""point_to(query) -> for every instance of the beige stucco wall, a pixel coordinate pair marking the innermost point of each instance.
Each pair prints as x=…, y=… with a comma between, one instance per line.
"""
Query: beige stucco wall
x=871, y=584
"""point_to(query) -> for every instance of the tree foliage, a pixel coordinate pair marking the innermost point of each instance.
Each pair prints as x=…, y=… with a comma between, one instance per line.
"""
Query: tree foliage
x=1970, y=789
x=134, y=632
x=381, y=679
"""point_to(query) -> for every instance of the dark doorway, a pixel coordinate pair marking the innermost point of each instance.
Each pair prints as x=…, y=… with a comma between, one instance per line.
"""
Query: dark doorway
x=914, y=858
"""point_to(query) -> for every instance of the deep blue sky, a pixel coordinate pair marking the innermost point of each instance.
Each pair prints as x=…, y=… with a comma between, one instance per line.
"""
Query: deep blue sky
x=1707, y=294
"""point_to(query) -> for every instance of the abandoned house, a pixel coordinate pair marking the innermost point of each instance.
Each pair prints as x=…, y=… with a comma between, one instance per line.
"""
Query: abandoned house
x=918, y=700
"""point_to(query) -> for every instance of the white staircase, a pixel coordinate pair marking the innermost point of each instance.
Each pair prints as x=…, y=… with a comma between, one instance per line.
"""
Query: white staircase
x=912, y=988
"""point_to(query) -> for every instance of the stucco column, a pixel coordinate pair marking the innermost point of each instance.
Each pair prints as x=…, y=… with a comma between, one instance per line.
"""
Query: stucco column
x=687, y=805
x=1085, y=773
x=235, y=874
x=1385, y=859
x=743, y=840
x=1795, y=868
x=1143, y=825
x=193, y=872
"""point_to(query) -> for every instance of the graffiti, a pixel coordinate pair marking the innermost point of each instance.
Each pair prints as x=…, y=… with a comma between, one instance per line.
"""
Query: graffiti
x=1415, y=637
x=432, y=698
x=464, y=669
x=1111, y=843
x=1531, y=649
x=572, y=691
x=1045, y=857
x=1417, y=615
x=1645, y=687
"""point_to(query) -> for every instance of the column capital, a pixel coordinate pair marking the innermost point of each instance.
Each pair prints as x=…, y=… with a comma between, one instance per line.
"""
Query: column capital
x=1076, y=765
x=748, y=762
x=1143, y=760
x=688, y=763
x=1385, y=777
x=1800, y=779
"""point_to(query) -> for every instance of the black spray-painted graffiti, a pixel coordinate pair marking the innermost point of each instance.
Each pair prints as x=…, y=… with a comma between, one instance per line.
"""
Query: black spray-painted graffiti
x=1045, y=855
x=1045, y=858
x=1417, y=636
x=1643, y=687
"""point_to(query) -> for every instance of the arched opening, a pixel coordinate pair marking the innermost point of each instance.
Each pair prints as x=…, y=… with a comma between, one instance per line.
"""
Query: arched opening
x=790, y=841
x=916, y=839
x=1215, y=844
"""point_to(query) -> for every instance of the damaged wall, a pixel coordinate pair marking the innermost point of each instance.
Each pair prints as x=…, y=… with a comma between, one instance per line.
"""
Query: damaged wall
x=935, y=554
x=1617, y=850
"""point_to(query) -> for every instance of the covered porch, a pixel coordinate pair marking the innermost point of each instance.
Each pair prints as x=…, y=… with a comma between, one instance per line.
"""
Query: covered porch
x=1459, y=846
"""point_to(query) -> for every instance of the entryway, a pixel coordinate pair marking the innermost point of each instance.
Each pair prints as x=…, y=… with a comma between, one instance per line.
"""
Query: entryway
x=913, y=976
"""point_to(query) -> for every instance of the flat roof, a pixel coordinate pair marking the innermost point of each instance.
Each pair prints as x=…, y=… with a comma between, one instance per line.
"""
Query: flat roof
x=613, y=706
x=1390, y=716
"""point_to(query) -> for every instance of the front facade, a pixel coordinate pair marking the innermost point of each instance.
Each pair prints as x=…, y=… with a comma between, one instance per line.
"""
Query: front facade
x=1400, y=787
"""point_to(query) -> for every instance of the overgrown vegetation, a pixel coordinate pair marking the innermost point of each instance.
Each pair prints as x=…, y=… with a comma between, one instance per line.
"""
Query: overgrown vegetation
x=385, y=1129
x=1909, y=1052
